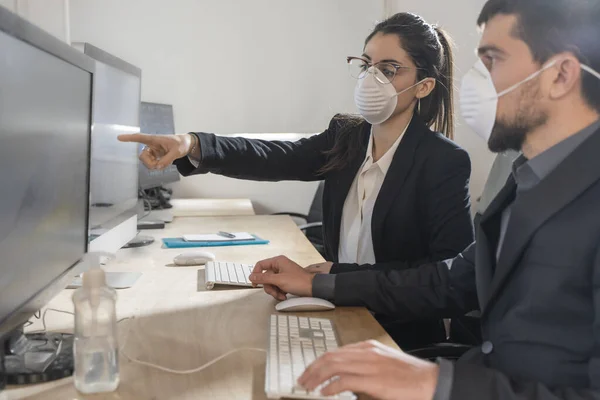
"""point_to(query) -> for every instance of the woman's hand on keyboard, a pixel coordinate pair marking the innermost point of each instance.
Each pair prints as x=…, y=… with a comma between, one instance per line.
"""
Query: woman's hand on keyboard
x=280, y=276
x=374, y=369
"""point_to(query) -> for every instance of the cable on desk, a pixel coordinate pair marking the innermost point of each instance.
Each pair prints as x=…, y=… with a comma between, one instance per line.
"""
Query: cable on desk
x=185, y=371
x=149, y=364
x=147, y=202
x=43, y=317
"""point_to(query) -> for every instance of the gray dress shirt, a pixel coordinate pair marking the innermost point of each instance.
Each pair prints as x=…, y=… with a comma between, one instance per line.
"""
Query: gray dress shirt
x=528, y=174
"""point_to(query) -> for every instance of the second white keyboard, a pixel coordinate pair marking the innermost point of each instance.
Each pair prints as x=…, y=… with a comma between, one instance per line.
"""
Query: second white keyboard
x=294, y=343
x=227, y=273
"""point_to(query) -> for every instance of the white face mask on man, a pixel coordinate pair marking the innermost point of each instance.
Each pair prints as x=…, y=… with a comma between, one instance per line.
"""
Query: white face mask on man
x=377, y=101
x=479, y=99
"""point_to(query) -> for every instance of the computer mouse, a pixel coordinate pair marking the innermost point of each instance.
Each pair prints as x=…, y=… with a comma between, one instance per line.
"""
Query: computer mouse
x=194, y=258
x=304, y=304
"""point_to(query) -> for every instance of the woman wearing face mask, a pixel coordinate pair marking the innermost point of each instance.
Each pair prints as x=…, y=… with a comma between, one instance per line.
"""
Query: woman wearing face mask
x=394, y=189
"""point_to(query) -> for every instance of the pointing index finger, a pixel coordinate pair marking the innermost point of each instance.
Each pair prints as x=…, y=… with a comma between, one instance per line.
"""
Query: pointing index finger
x=142, y=138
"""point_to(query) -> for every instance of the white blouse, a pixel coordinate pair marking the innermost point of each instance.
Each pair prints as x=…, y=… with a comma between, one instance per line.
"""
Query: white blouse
x=356, y=242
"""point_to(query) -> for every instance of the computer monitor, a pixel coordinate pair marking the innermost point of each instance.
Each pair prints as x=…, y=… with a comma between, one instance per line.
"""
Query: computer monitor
x=114, y=165
x=45, y=127
x=157, y=119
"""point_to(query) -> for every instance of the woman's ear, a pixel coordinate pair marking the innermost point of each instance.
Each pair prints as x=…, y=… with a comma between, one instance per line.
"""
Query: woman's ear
x=425, y=88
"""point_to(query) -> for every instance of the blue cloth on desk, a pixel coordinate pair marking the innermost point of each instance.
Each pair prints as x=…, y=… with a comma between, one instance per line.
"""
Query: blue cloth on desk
x=178, y=243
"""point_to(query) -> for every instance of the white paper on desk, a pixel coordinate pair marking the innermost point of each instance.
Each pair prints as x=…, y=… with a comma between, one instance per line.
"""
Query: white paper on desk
x=239, y=236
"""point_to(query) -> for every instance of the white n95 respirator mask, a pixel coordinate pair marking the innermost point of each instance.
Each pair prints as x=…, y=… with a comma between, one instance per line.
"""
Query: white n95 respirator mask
x=376, y=101
x=479, y=99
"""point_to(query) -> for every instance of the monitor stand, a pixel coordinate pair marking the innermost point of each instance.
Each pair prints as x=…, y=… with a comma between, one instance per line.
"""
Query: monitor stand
x=150, y=224
x=163, y=215
x=139, y=241
x=37, y=357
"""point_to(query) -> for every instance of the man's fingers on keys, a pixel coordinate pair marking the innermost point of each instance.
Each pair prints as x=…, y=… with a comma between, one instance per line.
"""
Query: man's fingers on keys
x=337, y=363
x=368, y=344
x=345, y=383
x=265, y=278
x=264, y=265
x=382, y=349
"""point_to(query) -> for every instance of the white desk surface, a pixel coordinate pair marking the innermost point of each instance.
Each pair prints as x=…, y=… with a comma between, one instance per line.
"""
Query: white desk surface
x=180, y=325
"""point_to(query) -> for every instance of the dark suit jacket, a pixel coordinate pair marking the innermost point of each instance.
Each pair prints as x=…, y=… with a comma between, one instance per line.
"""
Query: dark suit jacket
x=422, y=211
x=540, y=304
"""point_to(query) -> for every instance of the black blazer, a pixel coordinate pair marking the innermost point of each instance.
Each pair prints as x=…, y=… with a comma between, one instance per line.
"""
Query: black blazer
x=540, y=303
x=422, y=211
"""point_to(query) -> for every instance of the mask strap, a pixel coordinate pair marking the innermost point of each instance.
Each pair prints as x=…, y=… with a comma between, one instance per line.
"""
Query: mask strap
x=410, y=87
x=529, y=78
x=590, y=70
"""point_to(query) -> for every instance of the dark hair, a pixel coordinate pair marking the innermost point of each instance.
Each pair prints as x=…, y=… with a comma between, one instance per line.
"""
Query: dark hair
x=551, y=27
x=430, y=48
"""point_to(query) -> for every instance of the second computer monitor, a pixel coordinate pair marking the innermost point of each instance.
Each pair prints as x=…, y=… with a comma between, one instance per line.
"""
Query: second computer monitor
x=114, y=165
x=157, y=119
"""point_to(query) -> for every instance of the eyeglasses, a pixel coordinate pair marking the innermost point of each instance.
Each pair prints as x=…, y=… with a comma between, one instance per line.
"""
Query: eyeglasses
x=385, y=72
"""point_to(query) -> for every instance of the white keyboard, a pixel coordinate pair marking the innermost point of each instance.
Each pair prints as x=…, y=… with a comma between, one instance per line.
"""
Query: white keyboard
x=294, y=343
x=227, y=273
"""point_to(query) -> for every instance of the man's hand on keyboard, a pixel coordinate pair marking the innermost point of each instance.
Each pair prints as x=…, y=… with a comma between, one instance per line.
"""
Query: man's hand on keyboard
x=373, y=369
x=321, y=268
x=280, y=276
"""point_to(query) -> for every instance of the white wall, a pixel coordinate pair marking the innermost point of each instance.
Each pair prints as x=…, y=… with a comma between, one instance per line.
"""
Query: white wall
x=231, y=66
x=459, y=18
x=8, y=4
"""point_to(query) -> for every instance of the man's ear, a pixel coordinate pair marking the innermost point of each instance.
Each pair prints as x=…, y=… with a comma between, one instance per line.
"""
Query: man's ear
x=566, y=76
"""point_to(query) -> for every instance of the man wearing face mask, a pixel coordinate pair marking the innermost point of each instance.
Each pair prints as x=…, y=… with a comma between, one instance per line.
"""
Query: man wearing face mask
x=534, y=271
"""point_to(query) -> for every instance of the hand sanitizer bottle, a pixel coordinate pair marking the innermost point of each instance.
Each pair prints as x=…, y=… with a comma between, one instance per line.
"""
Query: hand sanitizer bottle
x=95, y=347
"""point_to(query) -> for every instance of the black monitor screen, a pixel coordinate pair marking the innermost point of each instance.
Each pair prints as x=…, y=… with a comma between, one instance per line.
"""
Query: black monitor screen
x=45, y=107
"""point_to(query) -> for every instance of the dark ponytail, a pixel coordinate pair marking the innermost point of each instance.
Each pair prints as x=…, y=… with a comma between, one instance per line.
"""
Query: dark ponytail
x=441, y=100
x=430, y=48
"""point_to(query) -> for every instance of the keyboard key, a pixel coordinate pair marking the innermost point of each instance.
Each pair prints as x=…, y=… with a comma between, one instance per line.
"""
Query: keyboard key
x=217, y=271
x=247, y=272
x=232, y=274
x=239, y=272
x=224, y=272
x=331, y=345
x=209, y=274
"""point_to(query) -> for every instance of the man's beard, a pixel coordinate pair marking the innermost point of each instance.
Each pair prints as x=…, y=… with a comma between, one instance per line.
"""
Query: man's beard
x=510, y=135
